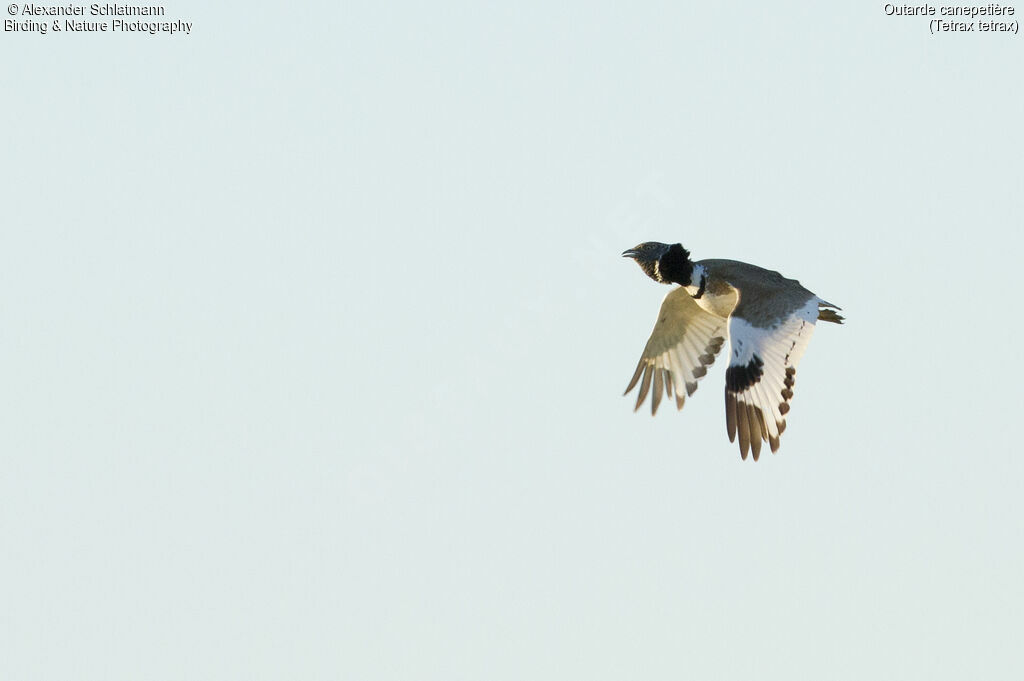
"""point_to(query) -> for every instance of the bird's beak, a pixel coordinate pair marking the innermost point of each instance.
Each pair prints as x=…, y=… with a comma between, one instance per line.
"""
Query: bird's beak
x=631, y=253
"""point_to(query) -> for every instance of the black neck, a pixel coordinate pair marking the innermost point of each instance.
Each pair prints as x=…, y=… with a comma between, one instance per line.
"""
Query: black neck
x=675, y=266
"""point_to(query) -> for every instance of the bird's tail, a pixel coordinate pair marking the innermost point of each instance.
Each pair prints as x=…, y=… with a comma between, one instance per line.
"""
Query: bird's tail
x=829, y=315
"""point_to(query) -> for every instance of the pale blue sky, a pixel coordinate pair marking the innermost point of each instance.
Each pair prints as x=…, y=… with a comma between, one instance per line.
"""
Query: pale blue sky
x=315, y=328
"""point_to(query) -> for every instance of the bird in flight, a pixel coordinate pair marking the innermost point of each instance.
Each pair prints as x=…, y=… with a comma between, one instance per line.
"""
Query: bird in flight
x=767, y=318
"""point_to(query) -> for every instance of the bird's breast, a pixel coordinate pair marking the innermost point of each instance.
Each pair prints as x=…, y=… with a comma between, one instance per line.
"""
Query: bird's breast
x=719, y=298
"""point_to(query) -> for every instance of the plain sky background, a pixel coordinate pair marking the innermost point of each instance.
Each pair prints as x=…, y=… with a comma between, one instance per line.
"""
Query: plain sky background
x=314, y=329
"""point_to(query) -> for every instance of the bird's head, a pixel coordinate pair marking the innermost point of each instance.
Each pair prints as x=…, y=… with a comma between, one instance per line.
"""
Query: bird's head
x=663, y=263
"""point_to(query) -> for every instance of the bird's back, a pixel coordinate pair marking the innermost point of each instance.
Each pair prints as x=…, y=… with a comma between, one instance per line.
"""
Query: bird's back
x=764, y=295
x=744, y=275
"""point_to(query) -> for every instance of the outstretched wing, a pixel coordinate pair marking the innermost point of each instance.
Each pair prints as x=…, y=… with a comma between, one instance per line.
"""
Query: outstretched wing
x=762, y=371
x=681, y=348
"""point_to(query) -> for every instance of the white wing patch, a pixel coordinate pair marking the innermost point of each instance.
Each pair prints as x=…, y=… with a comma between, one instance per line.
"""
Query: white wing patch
x=762, y=371
x=682, y=346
